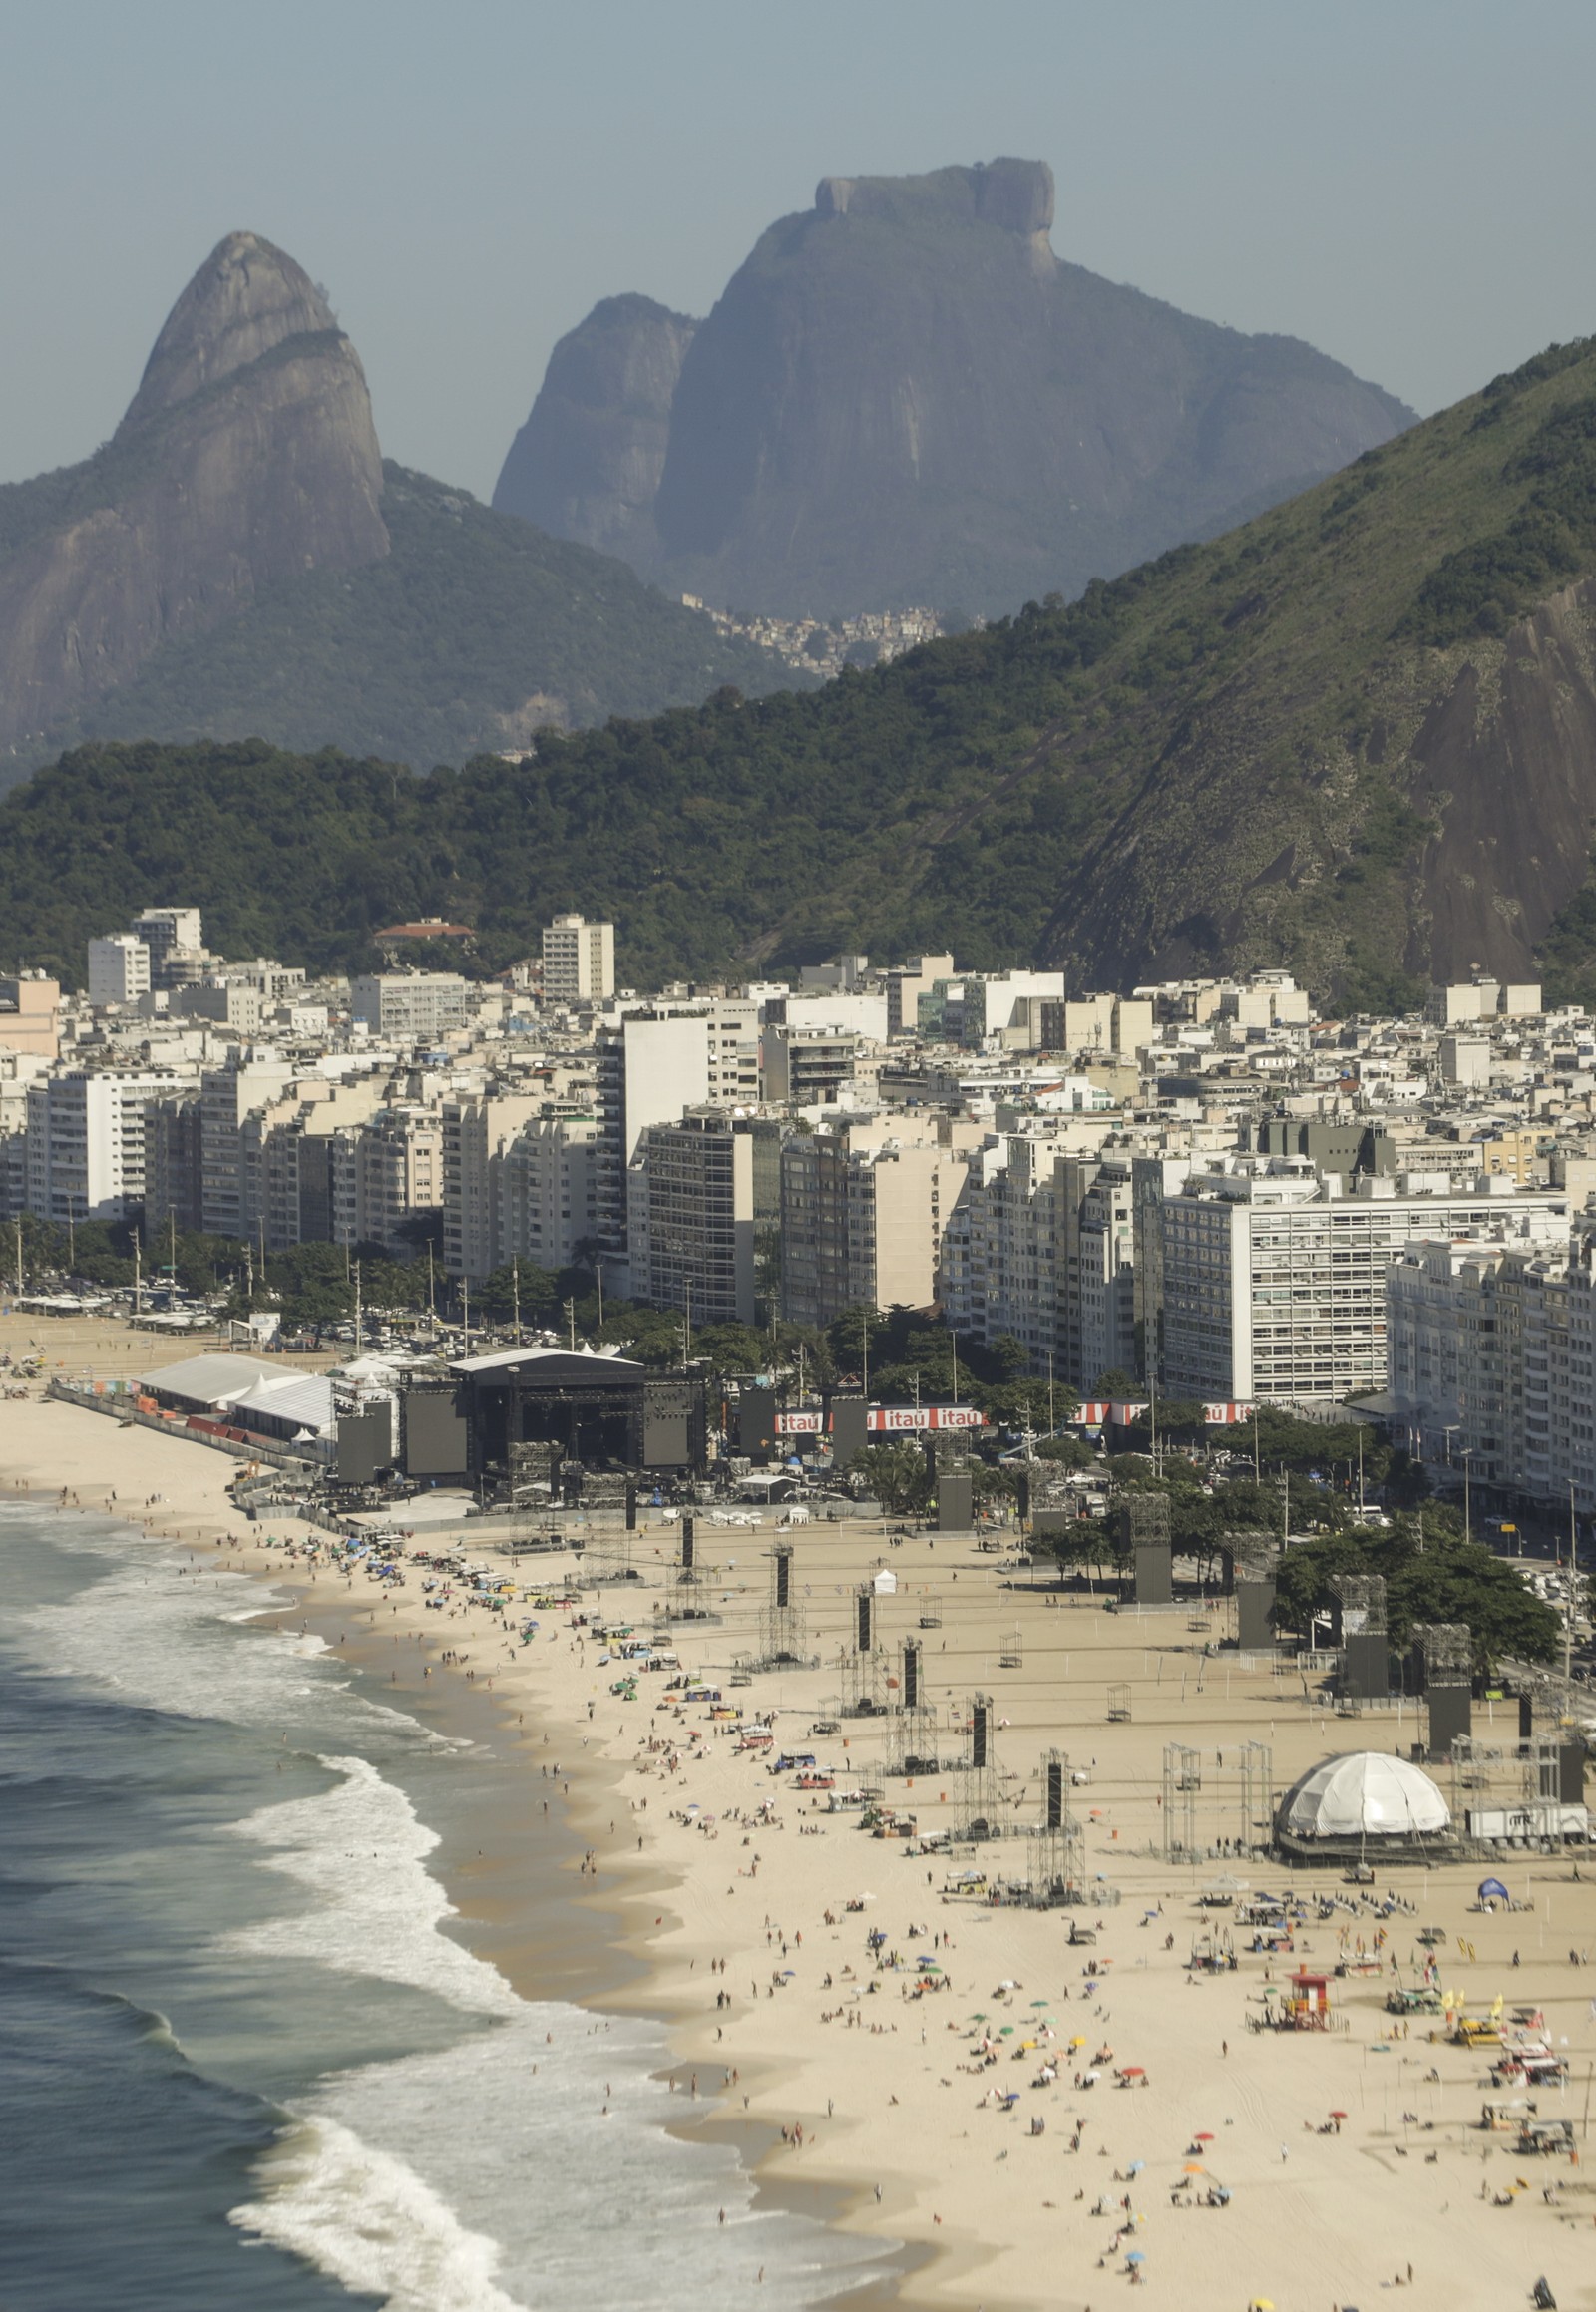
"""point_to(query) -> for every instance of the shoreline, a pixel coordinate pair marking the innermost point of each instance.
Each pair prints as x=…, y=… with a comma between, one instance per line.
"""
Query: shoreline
x=615, y=1972
x=987, y=2212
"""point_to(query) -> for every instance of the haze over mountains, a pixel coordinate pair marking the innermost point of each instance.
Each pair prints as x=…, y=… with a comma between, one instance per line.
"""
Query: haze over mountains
x=904, y=396
x=238, y=558
x=1356, y=736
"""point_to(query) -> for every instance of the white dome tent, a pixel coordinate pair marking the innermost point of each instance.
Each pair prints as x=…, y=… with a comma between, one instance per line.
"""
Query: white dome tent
x=1363, y=1794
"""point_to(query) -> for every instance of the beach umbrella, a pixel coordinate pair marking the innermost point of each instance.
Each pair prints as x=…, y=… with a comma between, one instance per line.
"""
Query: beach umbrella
x=1193, y=2167
x=1041, y=2003
x=1007, y=2031
x=1135, y=2257
x=1077, y=2043
x=1133, y=2071
x=1333, y=2115
x=1136, y=2167
x=1202, y=2135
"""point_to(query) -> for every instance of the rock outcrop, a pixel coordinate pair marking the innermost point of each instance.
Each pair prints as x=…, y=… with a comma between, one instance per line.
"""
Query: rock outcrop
x=247, y=455
x=587, y=463
x=904, y=396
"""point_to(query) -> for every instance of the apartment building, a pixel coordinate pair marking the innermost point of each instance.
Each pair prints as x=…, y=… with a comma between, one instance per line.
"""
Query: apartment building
x=384, y=1173
x=477, y=1129
x=864, y=1213
x=227, y=1095
x=651, y=1066
x=86, y=1143
x=174, y=938
x=411, y=1007
x=579, y=962
x=1274, y=1282
x=549, y=1199
x=1493, y=1356
x=119, y=969
x=1003, y=1245
x=291, y=1159
x=173, y=1179
x=30, y=1015
x=691, y=1218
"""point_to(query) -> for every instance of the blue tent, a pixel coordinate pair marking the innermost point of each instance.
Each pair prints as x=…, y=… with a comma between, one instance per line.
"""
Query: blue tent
x=1493, y=1886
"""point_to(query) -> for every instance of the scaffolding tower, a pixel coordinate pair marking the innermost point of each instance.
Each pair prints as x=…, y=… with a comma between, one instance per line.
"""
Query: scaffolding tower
x=1119, y=1705
x=1013, y=1652
x=864, y=1665
x=1056, y=1863
x=1256, y=1776
x=911, y=1731
x=607, y=1555
x=1183, y=1778
x=930, y=1610
x=786, y=1636
x=978, y=1797
x=687, y=1582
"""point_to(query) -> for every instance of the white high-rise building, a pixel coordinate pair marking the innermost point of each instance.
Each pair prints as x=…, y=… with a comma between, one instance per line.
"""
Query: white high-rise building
x=1274, y=1282
x=86, y=1143
x=119, y=969
x=578, y=960
x=410, y=1008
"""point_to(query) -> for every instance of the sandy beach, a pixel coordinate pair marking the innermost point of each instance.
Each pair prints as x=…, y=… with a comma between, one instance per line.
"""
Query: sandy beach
x=734, y=1893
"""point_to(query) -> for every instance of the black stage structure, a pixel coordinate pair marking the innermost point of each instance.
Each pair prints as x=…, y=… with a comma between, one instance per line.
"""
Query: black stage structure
x=560, y=1406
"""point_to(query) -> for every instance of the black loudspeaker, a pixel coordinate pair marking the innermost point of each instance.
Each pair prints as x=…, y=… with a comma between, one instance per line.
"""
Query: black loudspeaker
x=1452, y=1714
x=688, y=1544
x=632, y=1509
x=1154, y=1574
x=978, y=1736
x=1571, y=1775
x=862, y=1606
x=784, y=1579
x=910, y=1676
x=1367, y=1676
x=1526, y=1718
x=1022, y=1497
x=1254, y=1602
x=850, y=1432
x=756, y=1424
x=955, y=1502
x=1055, y=1795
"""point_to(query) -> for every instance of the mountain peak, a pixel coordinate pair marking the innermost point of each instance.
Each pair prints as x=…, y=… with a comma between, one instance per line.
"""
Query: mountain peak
x=1016, y=195
x=247, y=299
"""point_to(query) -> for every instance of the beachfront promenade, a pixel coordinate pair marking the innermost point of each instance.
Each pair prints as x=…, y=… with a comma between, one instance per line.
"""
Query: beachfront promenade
x=916, y=2047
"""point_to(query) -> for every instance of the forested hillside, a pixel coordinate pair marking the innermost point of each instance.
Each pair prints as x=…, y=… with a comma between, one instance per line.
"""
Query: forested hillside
x=1357, y=736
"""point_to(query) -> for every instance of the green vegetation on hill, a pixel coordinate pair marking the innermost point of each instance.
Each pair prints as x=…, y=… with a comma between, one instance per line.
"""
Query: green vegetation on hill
x=1237, y=755
x=470, y=633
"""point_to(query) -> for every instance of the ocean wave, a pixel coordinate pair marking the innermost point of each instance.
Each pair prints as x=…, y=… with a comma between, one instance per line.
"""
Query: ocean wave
x=171, y=1633
x=370, y=2221
x=361, y=1851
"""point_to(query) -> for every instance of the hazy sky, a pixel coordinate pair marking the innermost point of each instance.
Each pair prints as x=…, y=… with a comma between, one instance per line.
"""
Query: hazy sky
x=1409, y=184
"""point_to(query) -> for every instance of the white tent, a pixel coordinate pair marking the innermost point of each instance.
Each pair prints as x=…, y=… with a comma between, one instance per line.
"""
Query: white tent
x=1364, y=1793
x=886, y=1583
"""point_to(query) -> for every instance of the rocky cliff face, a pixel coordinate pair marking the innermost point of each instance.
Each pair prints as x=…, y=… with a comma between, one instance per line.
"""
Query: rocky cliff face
x=904, y=396
x=587, y=463
x=246, y=456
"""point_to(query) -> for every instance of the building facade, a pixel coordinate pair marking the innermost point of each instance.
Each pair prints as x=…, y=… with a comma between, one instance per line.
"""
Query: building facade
x=579, y=962
x=1274, y=1283
x=693, y=1217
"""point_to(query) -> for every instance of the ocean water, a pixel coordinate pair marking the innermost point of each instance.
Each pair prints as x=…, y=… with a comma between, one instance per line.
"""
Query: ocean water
x=244, y=2059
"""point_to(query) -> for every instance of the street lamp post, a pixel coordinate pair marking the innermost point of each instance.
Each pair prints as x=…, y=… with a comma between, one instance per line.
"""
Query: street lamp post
x=1465, y=1455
